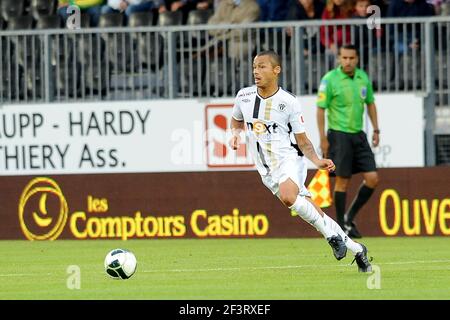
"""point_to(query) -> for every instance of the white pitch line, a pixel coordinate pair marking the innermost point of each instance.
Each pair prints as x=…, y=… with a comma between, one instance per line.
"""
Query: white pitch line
x=288, y=267
x=247, y=268
x=412, y=262
x=25, y=274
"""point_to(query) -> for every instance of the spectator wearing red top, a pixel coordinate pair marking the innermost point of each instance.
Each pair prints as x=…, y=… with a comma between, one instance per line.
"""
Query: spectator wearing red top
x=333, y=37
x=408, y=8
x=365, y=38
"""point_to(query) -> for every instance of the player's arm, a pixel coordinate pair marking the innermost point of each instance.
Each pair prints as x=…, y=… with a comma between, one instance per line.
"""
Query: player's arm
x=236, y=128
x=372, y=111
x=237, y=124
x=307, y=148
x=298, y=129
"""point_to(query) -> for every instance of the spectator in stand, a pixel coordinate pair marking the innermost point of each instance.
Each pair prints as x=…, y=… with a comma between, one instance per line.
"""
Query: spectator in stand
x=91, y=7
x=333, y=37
x=408, y=8
x=216, y=4
x=382, y=4
x=441, y=7
x=301, y=10
x=273, y=10
x=364, y=42
x=234, y=12
x=129, y=6
x=185, y=6
x=361, y=8
x=236, y=41
x=444, y=8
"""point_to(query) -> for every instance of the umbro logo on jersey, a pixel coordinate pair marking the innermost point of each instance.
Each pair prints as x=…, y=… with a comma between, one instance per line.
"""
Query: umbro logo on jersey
x=246, y=100
x=246, y=94
x=281, y=106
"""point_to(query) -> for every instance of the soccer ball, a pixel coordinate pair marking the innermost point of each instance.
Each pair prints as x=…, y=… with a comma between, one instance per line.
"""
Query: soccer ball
x=120, y=264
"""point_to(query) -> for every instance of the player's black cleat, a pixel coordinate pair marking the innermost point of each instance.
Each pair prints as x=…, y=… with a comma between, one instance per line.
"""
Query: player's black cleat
x=351, y=231
x=338, y=245
x=362, y=260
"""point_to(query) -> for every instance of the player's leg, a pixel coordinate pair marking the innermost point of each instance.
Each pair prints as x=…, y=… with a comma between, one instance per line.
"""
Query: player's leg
x=296, y=198
x=291, y=178
x=358, y=249
x=288, y=183
x=351, y=245
x=291, y=196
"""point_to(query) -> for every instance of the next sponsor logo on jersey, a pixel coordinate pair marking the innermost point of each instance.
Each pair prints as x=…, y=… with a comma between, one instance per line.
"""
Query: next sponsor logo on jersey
x=259, y=127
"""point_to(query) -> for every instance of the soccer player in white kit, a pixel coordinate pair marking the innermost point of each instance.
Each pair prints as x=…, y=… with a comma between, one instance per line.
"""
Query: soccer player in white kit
x=271, y=116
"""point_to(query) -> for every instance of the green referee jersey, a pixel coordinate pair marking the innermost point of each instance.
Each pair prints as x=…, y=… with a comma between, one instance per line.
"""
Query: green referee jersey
x=344, y=98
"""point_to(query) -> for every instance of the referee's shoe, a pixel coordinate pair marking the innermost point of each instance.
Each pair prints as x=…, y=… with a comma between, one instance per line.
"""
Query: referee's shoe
x=351, y=231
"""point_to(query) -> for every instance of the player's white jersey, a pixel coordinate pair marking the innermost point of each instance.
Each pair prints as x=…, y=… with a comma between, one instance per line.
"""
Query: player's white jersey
x=270, y=125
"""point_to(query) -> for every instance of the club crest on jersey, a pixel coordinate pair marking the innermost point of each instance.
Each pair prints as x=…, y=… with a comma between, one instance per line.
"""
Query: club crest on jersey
x=281, y=106
x=363, y=92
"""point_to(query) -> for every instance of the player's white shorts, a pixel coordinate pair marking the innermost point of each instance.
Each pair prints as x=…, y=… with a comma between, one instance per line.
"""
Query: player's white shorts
x=293, y=168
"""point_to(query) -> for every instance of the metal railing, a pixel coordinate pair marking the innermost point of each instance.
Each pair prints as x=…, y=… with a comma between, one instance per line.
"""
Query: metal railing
x=210, y=61
x=61, y=65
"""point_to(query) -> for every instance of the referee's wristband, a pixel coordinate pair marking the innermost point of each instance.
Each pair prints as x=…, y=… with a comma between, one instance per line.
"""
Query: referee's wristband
x=376, y=131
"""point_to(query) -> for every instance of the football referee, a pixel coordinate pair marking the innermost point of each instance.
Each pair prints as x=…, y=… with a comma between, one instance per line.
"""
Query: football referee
x=343, y=92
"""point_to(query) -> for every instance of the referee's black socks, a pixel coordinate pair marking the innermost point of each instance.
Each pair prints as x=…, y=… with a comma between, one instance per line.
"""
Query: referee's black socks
x=364, y=194
x=339, y=202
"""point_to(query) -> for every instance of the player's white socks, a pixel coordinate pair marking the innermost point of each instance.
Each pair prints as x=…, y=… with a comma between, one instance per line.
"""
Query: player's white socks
x=308, y=212
x=351, y=245
x=325, y=225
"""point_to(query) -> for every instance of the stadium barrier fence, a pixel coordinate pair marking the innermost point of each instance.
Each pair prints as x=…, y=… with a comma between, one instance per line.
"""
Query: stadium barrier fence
x=207, y=61
x=125, y=63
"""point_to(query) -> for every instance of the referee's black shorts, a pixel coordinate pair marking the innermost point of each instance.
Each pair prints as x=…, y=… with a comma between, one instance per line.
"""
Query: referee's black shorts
x=350, y=152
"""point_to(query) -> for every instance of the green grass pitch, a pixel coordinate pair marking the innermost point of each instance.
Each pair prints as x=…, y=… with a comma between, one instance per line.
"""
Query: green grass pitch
x=288, y=269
